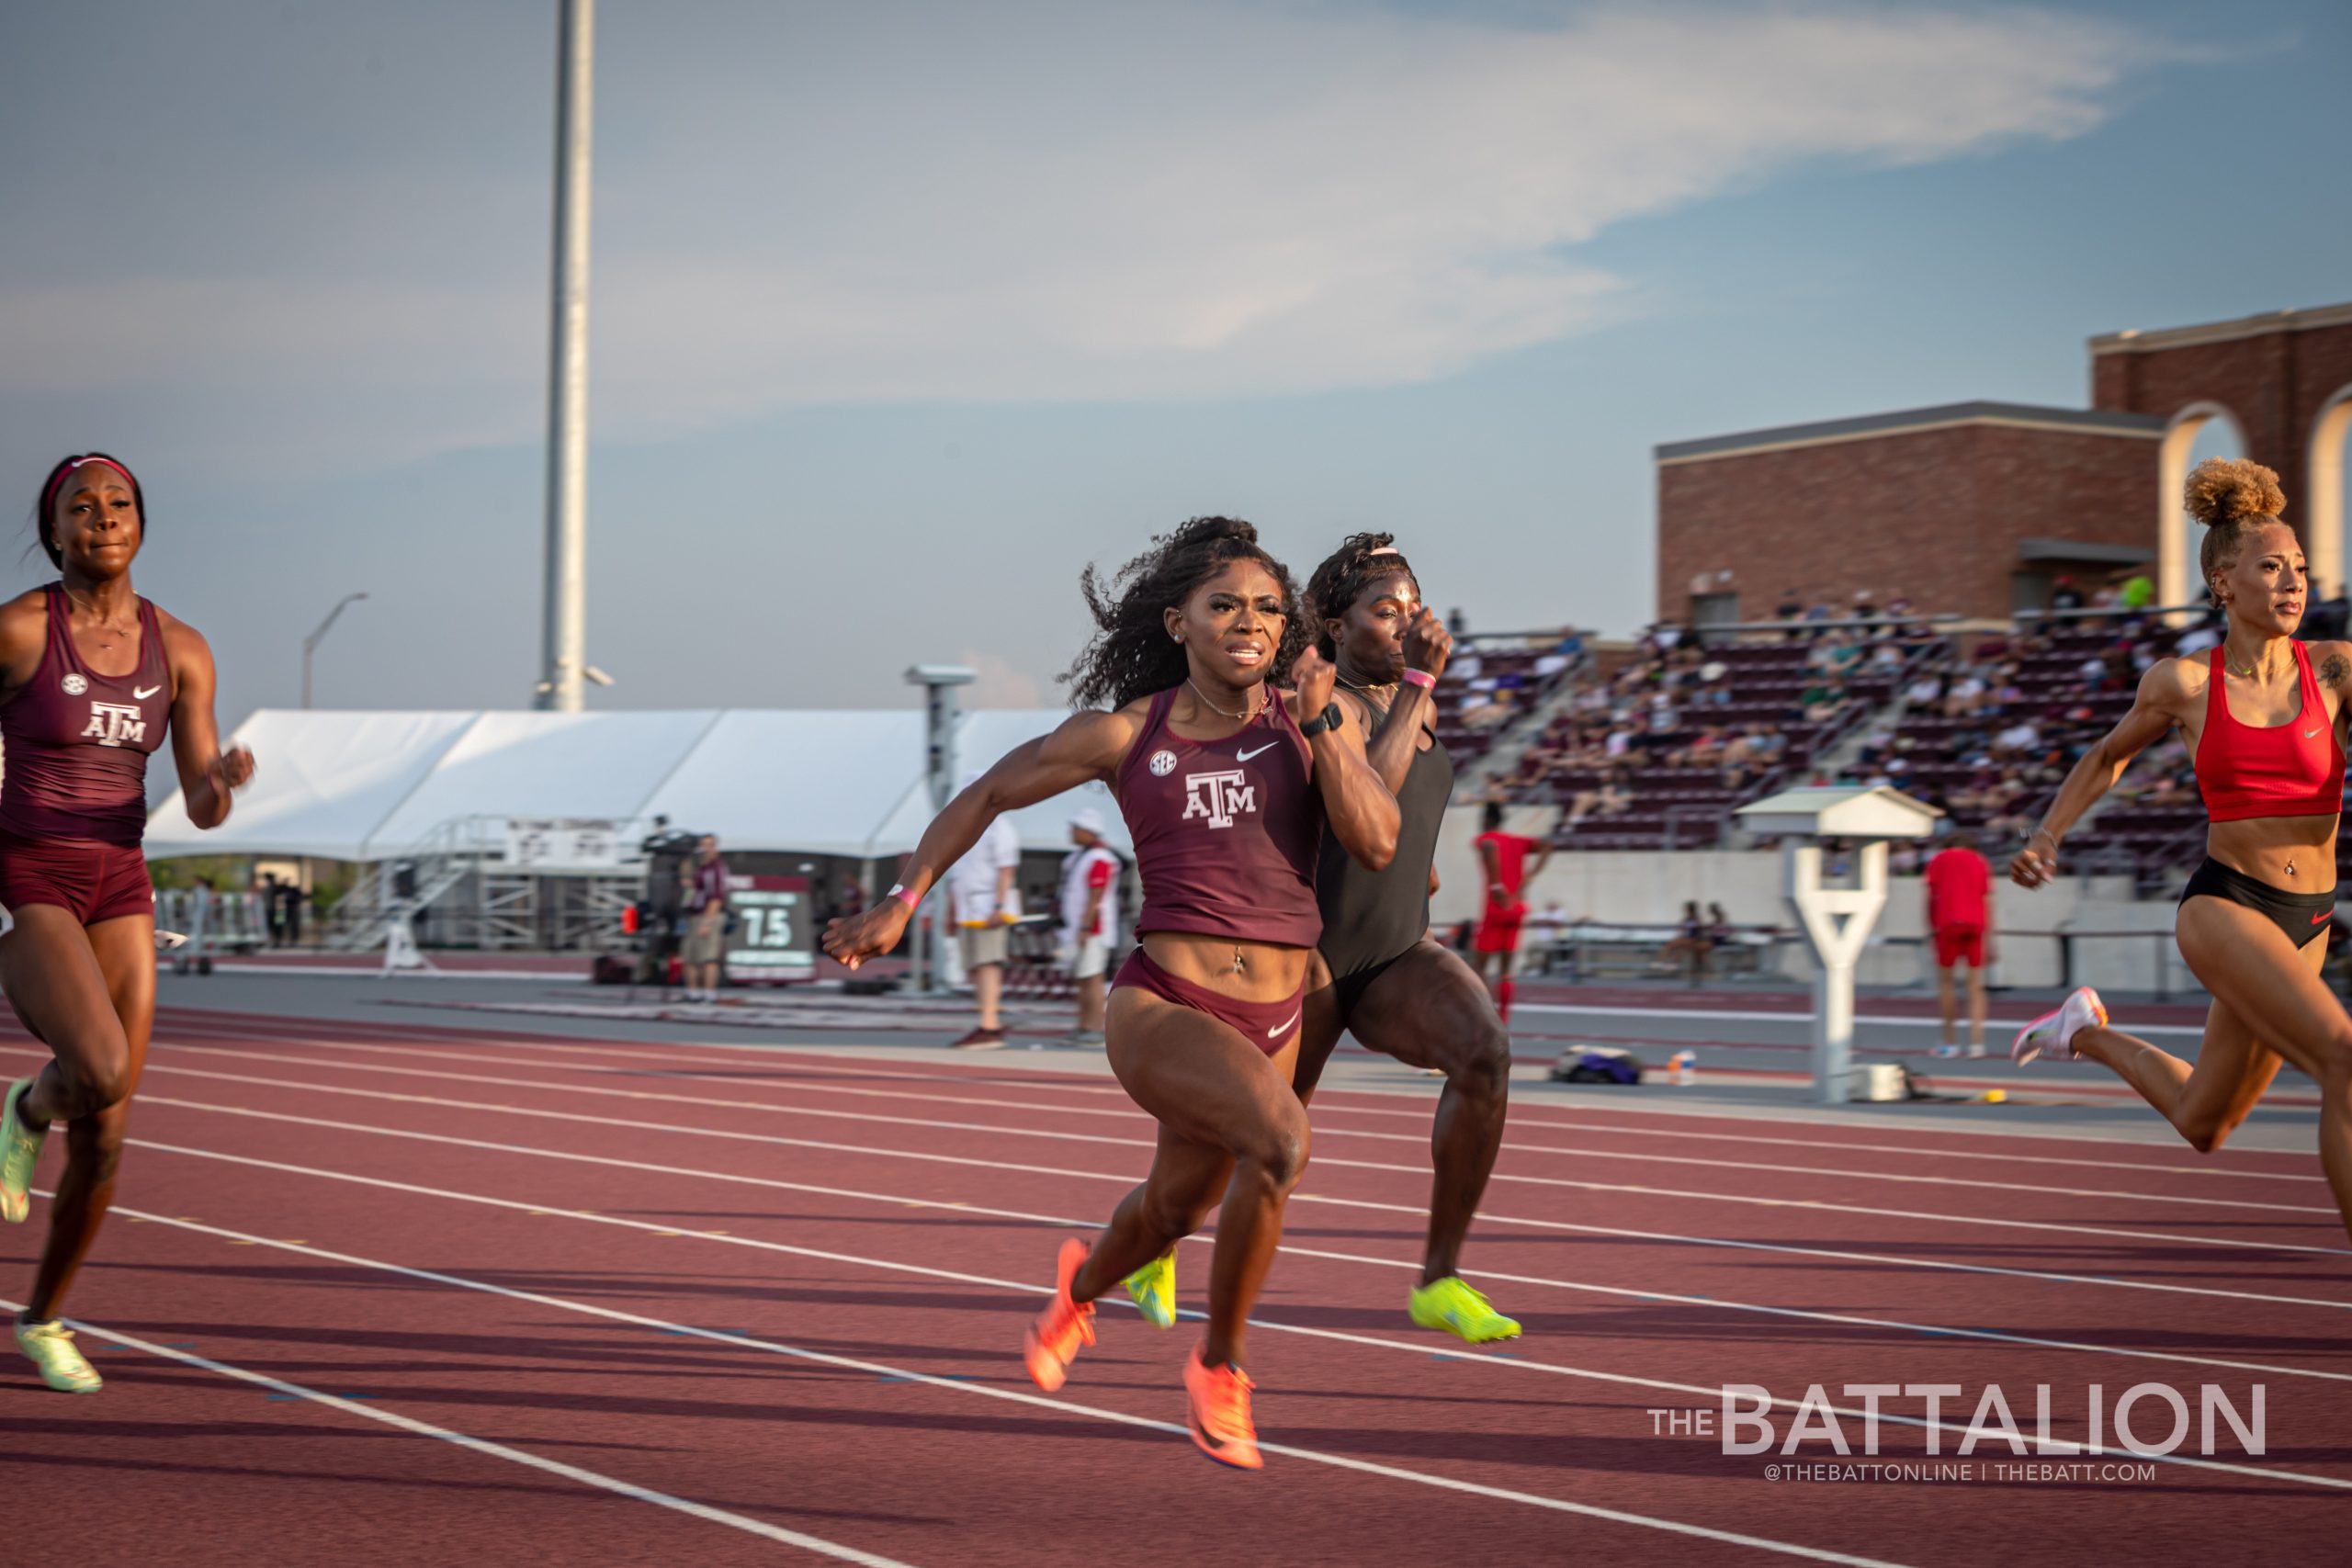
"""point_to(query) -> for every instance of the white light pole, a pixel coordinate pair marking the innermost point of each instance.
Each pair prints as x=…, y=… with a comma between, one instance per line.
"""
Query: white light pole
x=310, y=643
x=564, y=608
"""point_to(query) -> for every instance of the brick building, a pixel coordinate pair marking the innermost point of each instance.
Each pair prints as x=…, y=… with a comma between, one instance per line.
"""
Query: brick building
x=1977, y=508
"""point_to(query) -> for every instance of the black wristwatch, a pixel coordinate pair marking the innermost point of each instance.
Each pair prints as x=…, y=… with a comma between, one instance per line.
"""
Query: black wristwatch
x=1331, y=717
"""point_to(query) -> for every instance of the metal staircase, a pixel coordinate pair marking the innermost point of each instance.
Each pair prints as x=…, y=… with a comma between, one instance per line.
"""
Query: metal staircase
x=456, y=888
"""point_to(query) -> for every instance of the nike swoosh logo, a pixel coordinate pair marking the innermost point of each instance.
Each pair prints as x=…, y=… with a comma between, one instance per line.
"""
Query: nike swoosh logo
x=2320, y=916
x=1245, y=756
x=1278, y=1031
x=138, y=694
x=2309, y=734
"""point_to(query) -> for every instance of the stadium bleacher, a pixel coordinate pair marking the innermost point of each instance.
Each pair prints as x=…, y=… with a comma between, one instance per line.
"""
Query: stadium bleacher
x=1656, y=749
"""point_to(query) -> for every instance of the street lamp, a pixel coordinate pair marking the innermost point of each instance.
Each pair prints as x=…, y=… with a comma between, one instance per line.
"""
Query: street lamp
x=310, y=643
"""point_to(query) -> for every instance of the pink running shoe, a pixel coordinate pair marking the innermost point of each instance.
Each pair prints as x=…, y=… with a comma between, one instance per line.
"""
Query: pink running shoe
x=2053, y=1032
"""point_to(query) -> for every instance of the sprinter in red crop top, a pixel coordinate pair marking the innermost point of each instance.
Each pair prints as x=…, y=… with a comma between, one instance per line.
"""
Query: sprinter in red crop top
x=91, y=677
x=2263, y=719
x=1226, y=782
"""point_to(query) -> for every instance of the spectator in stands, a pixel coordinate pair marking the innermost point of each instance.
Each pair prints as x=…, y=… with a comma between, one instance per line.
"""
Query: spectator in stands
x=2205, y=634
x=983, y=905
x=2064, y=595
x=1959, y=889
x=1090, y=911
x=1610, y=798
x=706, y=911
x=2137, y=592
x=1487, y=710
x=1926, y=692
x=1965, y=695
x=1823, y=705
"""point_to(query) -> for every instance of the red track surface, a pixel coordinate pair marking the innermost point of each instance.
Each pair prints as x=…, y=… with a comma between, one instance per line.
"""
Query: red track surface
x=760, y=1305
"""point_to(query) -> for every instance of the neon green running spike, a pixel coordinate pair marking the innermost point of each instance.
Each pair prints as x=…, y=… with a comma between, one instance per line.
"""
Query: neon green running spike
x=51, y=1346
x=1153, y=1288
x=20, y=1148
x=1450, y=1304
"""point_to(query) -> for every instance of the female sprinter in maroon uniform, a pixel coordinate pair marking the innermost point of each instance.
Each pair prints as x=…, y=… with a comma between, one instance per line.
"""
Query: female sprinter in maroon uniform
x=1380, y=976
x=2263, y=719
x=1225, y=783
x=91, y=675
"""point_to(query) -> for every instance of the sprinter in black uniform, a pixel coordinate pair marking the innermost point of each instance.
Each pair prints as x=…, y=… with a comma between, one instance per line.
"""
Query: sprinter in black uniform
x=1379, y=974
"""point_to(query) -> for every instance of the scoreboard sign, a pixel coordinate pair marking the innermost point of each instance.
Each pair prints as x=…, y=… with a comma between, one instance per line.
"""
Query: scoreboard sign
x=775, y=937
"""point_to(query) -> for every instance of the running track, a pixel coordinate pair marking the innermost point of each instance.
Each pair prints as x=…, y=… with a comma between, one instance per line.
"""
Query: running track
x=388, y=1291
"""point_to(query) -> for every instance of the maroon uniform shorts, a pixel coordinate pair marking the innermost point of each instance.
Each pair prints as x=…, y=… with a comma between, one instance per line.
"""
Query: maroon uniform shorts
x=1267, y=1025
x=96, y=882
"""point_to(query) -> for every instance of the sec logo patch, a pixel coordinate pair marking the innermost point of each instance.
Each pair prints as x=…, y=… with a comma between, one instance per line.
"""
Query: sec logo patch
x=1163, y=762
x=74, y=685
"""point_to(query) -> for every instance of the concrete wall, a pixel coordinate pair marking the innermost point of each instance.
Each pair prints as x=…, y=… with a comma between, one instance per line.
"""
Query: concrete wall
x=1649, y=888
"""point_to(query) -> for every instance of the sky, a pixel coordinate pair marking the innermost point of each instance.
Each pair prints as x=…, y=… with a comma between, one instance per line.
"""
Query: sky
x=901, y=313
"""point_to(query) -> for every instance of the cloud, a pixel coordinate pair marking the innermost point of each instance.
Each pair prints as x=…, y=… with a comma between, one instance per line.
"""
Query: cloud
x=1031, y=202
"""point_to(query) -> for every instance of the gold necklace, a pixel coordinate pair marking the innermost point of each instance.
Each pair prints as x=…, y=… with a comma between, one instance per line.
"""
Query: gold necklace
x=1247, y=709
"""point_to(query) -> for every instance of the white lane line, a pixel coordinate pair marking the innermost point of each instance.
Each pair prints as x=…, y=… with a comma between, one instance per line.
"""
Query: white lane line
x=805, y=1059
x=1927, y=1216
x=1961, y=1429
x=393, y=1418
x=891, y=1200
x=1012, y=1395
x=1805, y=1021
x=779, y=1140
x=2326, y=1211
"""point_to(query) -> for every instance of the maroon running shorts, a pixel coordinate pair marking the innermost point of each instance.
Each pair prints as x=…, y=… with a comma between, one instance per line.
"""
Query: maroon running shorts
x=96, y=882
x=1266, y=1025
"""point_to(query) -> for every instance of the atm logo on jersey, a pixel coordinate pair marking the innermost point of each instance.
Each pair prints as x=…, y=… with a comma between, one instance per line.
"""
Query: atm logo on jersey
x=1220, y=797
x=115, y=724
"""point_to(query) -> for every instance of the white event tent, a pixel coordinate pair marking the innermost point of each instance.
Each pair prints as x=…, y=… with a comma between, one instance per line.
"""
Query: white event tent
x=363, y=787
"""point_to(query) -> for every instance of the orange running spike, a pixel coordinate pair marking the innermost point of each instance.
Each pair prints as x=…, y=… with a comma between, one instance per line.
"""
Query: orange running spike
x=1052, y=1342
x=1216, y=1409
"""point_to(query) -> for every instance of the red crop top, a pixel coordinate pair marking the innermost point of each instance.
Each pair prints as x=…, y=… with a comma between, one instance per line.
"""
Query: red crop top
x=2295, y=769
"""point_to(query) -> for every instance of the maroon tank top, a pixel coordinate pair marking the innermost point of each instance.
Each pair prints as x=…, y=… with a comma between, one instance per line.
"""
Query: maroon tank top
x=1227, y=833
x=74, y=744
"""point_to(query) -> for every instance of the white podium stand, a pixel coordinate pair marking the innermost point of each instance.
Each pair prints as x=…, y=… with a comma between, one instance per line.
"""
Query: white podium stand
x=1837, y=920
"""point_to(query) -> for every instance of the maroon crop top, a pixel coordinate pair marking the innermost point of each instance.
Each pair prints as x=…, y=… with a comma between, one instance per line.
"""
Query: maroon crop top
x=1227, y=833
x=74, y=744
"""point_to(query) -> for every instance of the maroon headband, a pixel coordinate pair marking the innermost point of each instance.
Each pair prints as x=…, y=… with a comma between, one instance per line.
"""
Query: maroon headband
x=71, y=465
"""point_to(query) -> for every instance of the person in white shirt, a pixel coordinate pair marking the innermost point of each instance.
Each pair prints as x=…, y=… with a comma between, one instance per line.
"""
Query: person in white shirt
x=984, y=904
x=1089, y=919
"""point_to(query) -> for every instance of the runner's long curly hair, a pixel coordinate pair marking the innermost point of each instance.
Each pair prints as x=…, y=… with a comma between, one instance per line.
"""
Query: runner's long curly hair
x=1344, y=575
x=1131, y=654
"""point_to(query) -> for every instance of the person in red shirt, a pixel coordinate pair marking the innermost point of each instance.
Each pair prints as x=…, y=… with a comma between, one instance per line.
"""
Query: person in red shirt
x=1959, y=920
x=1503, y=857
